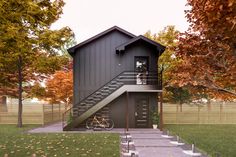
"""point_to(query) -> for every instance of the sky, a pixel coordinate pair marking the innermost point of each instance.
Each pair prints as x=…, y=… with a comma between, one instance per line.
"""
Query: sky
x=90, y=17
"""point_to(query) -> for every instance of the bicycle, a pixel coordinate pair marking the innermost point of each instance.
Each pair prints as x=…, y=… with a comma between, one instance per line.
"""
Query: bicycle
x=99, y=122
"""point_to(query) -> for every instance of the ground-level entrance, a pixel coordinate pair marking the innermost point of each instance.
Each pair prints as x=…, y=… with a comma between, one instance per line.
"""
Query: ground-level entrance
x=141, y=112
x=140, y=106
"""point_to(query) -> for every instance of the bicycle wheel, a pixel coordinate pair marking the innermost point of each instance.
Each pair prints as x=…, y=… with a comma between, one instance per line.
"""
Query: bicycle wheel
x=109, y=124
x=90, y=124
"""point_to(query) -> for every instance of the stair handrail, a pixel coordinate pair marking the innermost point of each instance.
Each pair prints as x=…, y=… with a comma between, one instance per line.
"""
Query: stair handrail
x=99, y=88
x=63, y=119
x=105, y=85
x=63, y=115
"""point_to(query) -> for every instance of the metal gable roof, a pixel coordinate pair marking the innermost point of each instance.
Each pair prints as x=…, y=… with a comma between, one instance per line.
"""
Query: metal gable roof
x=72, y=49
x=159, y=47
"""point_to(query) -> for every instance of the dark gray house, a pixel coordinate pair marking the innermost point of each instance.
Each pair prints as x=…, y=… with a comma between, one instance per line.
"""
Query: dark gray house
x=115, y=76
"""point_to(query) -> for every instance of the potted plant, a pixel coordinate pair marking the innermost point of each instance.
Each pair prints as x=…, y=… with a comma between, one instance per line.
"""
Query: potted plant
x=155, y=120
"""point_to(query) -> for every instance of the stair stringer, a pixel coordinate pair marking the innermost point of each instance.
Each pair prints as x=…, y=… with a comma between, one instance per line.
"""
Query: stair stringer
x=108, y=99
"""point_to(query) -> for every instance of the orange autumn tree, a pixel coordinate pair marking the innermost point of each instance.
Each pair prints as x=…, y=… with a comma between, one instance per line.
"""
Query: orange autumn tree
x=59, y=88
x=208, y=48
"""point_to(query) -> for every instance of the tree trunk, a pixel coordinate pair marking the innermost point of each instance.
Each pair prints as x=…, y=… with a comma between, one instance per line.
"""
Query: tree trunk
x=220, y=89
x=3, y=104
x=19, y=124
x=180, y=105
x=208, y=109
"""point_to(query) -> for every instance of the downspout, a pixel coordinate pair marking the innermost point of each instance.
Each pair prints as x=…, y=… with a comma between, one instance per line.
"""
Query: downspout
x=161, y=93
x=127, y=111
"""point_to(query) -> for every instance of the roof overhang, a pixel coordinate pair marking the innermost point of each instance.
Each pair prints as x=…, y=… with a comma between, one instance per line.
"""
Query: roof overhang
x=160, y=48
x=74, y=48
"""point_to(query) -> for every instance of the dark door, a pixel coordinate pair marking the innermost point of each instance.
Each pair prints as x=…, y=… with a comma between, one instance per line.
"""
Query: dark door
x=141, y=112
x=141, y=67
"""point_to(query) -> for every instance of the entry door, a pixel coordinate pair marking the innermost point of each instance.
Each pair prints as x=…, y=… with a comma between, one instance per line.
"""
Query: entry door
x=141, y=67
x=141, y=112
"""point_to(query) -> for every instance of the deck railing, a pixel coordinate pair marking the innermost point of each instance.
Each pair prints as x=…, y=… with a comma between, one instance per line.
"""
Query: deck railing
x=124, y=78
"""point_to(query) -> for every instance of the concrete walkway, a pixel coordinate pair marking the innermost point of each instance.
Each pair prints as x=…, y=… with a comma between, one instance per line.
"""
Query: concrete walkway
x=147, y=142
x=151, y=143
x=57, y=128
x=53, y=128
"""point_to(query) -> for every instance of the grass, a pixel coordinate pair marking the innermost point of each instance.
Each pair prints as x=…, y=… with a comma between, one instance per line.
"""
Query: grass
x=16, y=143
x=209, y=138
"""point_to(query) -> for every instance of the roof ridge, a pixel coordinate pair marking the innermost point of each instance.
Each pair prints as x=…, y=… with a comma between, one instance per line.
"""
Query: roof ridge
x=72, y=49
x=123, y=46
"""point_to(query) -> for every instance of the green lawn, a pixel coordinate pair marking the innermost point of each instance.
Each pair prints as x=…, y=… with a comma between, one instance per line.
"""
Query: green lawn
x=209, y=138
x=15, y=143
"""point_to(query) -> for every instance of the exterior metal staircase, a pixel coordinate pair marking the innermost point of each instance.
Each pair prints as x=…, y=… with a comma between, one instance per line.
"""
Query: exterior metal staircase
x=97, y=96
x=123, y=82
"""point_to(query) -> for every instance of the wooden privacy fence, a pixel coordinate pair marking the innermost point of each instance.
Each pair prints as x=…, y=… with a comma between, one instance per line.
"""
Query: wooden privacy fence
x=32, y=114
x=214, y=113
x=52, y=113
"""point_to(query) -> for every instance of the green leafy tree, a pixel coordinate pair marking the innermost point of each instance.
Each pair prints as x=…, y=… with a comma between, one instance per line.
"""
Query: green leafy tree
x=179, y=95
x=167, y=37
x=168, y=61
x=70, y=43
x=28, y=48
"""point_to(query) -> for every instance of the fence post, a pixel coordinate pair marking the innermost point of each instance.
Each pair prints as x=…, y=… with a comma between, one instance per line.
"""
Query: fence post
x=177, y=110
x=59, y=111
x=221, y=109
x=198, y=114
x=42, y=114
x=208, y=111
x=52, y=112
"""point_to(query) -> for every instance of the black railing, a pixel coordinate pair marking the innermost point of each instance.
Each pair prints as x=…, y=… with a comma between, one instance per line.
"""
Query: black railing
x=124, y=78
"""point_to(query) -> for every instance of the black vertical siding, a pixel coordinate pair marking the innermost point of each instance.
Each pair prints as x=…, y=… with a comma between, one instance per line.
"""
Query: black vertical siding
x=117, y=109
x=97, y=62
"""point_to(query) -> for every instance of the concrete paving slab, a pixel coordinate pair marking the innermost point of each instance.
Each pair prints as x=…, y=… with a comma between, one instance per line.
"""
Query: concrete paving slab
x=146, y=135
x=151, y=143
x=53, y=128
x=160, y=152
x=148, y=142
x=158, y=142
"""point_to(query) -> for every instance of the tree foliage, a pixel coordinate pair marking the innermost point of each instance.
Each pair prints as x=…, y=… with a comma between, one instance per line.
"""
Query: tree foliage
x=214, y=20
x=25, y=31
x=178, y=95
x=28, y=47
x=167, y=61
x=59, y=88
x=208, y=48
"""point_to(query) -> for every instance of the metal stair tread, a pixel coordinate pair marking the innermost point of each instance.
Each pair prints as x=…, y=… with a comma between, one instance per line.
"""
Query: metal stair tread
x=89, y=101
x=88, y=105
x=115, y=86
